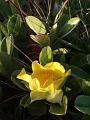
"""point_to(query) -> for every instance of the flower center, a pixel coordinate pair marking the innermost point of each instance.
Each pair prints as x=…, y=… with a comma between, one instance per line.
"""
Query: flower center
x=45, y=75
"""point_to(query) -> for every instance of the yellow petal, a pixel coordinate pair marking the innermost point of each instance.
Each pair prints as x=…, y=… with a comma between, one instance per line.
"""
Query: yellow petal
x=42, y=93
x=56, y=97
x=53, y=97
x=34, y=85
x=50, y=72
x=68, y=73
x=56, y=66
x=50, y=88
x=60, y=82
x=37, y=96
x=36, y=66
x=24, y=76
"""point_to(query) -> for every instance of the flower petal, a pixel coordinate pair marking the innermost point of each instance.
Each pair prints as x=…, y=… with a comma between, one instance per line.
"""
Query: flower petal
x=51, y=71
x=60, y=82
x=37, y=96
x=34, y=85
x=68, y=73
x=36, y=66
x=24, y=76
x=56, y=66
x=55, y=97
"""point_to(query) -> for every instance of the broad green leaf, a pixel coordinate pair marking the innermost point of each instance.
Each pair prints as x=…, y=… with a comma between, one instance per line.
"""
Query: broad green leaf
x=46, y=55
x=25, y=101
x=56, y=8
x=0, y=35
x=0, y=40
x=61, y=21
x=52, y=35
x=79, y=73
x=6, y=45
x=5, y=10
x=1, y=92
x=58, y=24
x=7, y=62
x=43, y=40
x=35, y=24
x=69, y=44
x=9, y=41
x=58, y=109
x=88, y=59
x=3, y=29
x=79, y=60
x=82, y=103
x=37, y=108
x=3, y=46
x=68, y=27
x=13, y=8
x=2, y=70
x=86, y=87
x=14, y=24
x=74, y=86
x=59, y=42
x=17, y=81
x=86, y=117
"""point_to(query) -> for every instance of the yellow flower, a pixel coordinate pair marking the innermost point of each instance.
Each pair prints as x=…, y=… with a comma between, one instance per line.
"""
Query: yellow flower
x=46, y=81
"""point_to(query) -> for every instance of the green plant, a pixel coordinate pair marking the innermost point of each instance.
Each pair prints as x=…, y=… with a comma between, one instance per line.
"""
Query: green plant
x=60, y=30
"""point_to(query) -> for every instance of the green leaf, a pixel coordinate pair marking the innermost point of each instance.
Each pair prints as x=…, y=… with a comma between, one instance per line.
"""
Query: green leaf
x=73, y=87
x=7, y=62
x=57, y=109
x=13, y=8
x=68, y=27
x=43, y=40
x=3, y=46
x=79, y=73
x=17, y=81
x=5, y=10
x=46, y=55
x=58, y=24
x=79, y=60
x=14, y=24
x=61, y=21
x=25, y=101
x=0, y=36
x=9, y=41
x=86, y=117
x=3, y=29
x=82, y=103
x=86, y=87
x=6, y=45
x=37, y=108
x=35, y=24
x=2, y=70
x=1, y=92
x=88, y=59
